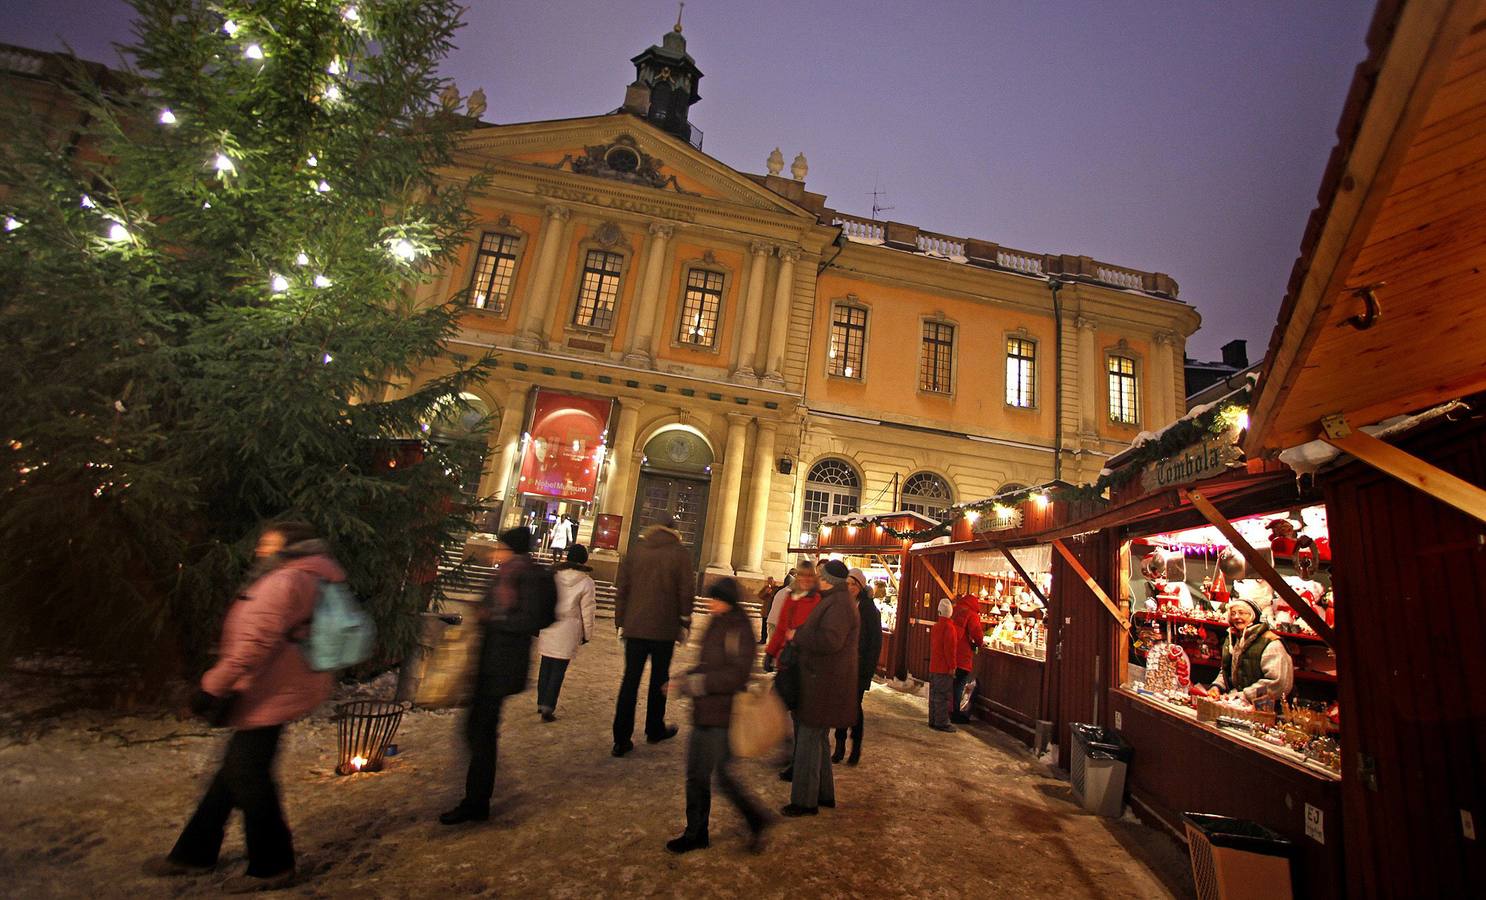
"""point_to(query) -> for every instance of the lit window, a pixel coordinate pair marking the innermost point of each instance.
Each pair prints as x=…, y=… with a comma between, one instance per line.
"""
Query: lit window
x=1124, y=391
x=1021, y=372
x=937, y=357
x=495, y=270
x=831, y=489
x=848, y=341
x=700, y=308
x=926, y=494
x=598, y=292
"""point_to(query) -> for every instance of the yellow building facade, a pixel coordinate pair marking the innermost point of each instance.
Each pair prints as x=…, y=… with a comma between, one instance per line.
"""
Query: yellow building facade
x=761, y=360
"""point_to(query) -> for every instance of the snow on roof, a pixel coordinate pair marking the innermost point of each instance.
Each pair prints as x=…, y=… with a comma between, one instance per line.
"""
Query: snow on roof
x=859, y=518
x=1196, y=412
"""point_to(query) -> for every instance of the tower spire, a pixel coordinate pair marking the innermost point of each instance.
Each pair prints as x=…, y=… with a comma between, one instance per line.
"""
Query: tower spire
x=681, y=9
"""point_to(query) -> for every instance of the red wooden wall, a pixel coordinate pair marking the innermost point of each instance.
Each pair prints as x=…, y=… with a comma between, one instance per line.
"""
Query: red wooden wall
x=1080, y=641
x=1410, y=576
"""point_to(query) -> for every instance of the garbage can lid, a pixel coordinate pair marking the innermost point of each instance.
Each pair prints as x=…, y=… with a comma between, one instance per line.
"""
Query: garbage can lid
x=1240, y=834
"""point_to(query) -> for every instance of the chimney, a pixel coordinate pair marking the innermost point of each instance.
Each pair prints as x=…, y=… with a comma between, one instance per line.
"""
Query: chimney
x=1236, y=354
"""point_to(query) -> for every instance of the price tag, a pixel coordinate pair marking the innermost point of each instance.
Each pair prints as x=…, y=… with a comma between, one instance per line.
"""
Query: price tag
x=1315, y=824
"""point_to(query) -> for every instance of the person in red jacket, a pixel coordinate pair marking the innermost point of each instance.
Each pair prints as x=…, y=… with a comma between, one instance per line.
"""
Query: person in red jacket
x=972, y=638
x=797, y=605
x=259, y=683
x=944, y=639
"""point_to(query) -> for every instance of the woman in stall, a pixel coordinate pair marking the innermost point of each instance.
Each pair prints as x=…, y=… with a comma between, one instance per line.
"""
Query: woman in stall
x=1255, y=661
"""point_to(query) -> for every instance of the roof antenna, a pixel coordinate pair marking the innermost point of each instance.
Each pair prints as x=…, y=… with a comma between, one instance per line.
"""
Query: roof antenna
x=877, y=196
x=678, y=16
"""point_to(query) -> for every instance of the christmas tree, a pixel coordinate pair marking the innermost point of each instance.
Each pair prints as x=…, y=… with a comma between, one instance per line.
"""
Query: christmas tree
x=209, y=309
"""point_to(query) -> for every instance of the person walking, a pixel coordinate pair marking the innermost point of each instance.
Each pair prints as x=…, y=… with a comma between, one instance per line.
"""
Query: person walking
x=869, y=647
x=558, y=643
x=258, y=685
x=766, y=596
x=943, y=654
x=827, y=646
x=971, y=637
x=652, y=612
x=725, y=662
x=521, y=601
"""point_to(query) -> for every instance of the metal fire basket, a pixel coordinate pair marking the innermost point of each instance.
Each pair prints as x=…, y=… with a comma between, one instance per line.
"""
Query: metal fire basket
x=365, y=729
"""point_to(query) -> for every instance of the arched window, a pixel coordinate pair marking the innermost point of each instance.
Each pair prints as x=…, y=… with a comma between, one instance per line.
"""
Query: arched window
x=1010, y=486
x=831, y=489
x=926, y=494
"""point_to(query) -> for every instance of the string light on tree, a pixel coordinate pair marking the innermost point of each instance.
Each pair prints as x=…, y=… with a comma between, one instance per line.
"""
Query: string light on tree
x=351, y=14
x=321, y=281
x=224, y=165
x=328, y=359
x=403, y=249
x=278, y=283
x=253, y=51
x=167, y=117
x=12, y=223
x=313, y=161
x=118, y=233
x=333, y=93
x=301, y=260
x=87, y=202
x=323, y=187
x=230, y=27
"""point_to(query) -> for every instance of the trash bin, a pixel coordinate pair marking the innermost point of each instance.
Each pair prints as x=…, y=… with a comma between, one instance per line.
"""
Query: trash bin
x=1235, y=859
x=1100, y=759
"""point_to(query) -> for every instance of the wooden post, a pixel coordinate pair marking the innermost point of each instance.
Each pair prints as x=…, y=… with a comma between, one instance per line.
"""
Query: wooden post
x=935, y=575
x=1388, y=459
x=1092, y=584
x=1262, y=566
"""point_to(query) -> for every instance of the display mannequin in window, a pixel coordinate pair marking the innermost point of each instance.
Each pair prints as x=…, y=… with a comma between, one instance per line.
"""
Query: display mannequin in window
x=1255, y=661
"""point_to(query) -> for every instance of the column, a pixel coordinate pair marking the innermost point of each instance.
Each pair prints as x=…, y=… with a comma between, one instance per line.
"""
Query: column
x=539, y=298
x=758, y=498
x=784, y=297
x=726, y=495
x=508, y=443
x=1163, y=389
x=1090, y=378
x=621, y=458
x=642, y=326
x=752, y=312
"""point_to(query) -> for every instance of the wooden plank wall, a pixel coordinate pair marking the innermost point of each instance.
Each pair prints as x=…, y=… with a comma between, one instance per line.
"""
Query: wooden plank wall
x=1080, y=642
x=921, y=612
x=1410, y=578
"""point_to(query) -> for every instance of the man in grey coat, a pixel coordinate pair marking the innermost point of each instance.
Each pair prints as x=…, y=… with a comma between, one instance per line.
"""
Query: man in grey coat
x=827, y=645
x=652, y=610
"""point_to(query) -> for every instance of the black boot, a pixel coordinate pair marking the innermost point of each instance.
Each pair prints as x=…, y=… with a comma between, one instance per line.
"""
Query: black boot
x=856, y=753
x=840, y=751
x=686, y=843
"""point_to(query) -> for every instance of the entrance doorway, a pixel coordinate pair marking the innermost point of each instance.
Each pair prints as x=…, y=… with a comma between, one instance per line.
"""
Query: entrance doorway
x=674, y=485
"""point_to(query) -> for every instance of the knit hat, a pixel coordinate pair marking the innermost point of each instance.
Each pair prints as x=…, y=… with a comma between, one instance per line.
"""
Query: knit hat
x=834, y=571
x=1258, y=613
x=724, y=589
x=518, y=539
x=946, y=608
x=577, y=554
x=859, y=576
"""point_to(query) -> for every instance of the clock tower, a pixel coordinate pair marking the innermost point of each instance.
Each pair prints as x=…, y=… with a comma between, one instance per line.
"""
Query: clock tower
x=665, y=85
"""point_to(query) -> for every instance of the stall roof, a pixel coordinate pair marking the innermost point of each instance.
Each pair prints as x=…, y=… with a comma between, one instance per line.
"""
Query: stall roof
x=1402, y=210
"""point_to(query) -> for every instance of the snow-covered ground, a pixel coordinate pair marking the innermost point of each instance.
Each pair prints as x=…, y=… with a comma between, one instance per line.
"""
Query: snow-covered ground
x=88, y=796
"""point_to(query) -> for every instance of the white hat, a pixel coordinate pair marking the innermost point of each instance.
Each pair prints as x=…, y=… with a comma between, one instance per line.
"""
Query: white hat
x=946, y=608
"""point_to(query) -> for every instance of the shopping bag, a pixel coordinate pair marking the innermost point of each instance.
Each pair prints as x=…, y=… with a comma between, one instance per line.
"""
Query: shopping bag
x=759, y=721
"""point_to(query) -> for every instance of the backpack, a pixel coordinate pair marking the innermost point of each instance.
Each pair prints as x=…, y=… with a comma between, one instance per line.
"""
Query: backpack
x=341, y=634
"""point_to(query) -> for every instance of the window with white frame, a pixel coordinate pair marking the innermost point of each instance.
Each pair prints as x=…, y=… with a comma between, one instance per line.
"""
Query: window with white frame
x=848, y=341
x=598, y=290
x=936, y=360
x=1124, y=391
x=926, y=494
x=701, y=307
x=832, y=488
x=1021, y=372
x=495, y=272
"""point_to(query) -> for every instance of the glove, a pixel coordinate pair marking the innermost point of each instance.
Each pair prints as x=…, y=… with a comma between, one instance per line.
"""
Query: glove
x=201, y=703
x=768, y=663
x=215, y=710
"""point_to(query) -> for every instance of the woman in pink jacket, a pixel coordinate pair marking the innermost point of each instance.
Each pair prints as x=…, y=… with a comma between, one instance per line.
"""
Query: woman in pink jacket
x=260, y=682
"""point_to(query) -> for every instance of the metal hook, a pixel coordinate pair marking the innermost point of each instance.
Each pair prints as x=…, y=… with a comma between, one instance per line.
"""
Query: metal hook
x=1374, y=309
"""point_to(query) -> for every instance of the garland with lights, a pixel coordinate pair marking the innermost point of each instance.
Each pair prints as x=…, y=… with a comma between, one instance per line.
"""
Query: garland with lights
x=1213, y=420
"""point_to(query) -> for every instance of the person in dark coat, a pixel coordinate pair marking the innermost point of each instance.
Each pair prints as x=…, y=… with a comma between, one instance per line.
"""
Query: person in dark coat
x=652, y=611
x=522, y=600
x=827, y=645
x=869, y=647
x=724, y=665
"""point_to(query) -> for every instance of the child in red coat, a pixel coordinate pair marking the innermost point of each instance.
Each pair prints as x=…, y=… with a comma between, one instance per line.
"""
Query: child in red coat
x=944, y=640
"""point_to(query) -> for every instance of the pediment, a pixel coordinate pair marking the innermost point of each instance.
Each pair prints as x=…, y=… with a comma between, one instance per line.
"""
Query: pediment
x=623, y=149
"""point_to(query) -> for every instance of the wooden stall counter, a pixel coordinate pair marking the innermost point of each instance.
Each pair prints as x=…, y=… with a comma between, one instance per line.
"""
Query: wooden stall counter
x=1182, y=765
x=1008, y=692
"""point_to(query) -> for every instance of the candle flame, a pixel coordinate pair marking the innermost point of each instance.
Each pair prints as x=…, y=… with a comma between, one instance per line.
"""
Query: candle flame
x=358, y=763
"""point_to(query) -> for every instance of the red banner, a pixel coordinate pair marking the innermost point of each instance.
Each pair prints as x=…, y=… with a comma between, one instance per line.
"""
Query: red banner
x=565, y=446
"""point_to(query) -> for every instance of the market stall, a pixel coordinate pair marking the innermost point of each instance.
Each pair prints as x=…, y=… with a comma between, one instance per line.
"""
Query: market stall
x=871, y=542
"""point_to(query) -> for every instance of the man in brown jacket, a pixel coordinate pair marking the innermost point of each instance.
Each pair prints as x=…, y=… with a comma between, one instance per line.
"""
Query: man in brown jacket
x=652, y=610
x=827, y=644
